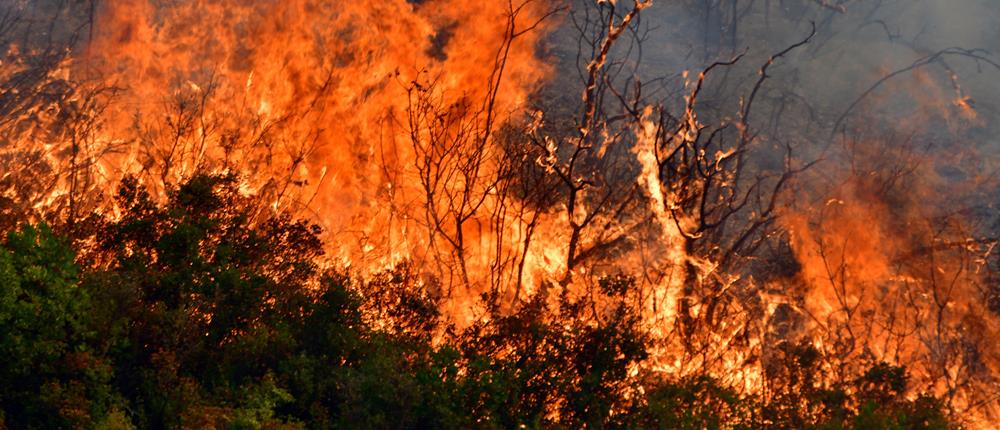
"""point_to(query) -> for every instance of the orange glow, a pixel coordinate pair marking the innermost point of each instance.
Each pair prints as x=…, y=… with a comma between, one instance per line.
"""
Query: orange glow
x=388, y=133
x=315, y=97
x=887, y=279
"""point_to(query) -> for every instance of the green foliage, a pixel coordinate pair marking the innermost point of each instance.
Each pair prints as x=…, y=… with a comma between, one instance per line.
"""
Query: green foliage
x=50, y=375
x=201, y=312
x=875, y=400
x=693, y=404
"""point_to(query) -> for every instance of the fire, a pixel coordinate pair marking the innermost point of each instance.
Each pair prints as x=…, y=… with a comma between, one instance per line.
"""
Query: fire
x=411, y=141
x=311, y=96
x=888, y=279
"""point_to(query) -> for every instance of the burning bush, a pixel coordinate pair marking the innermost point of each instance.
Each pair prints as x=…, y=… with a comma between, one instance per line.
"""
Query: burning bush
x=456, y=213
x=194, y=314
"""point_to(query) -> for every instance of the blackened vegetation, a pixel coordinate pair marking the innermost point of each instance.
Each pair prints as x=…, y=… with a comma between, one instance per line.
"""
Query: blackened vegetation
x=194, y=313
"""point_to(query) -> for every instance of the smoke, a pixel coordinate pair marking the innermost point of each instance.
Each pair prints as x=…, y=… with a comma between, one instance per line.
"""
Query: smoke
x=497, y=147
x=893, y=230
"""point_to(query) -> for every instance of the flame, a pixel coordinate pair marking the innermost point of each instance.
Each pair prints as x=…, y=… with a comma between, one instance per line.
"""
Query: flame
x=312, y=93
x=886, y=278
x=385, y=132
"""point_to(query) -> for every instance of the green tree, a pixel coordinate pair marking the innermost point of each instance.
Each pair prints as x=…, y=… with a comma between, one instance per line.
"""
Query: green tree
x=203, y=312
x=200, y=294
x=50, y=376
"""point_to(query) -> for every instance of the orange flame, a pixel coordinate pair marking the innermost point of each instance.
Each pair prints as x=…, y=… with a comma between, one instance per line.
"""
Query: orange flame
x=323, y=86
